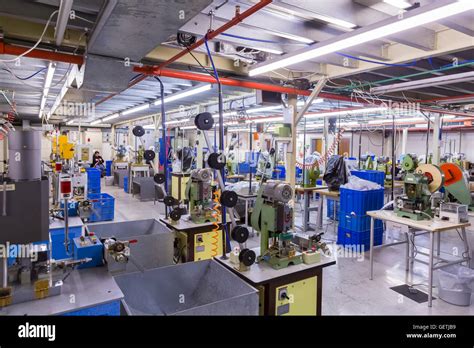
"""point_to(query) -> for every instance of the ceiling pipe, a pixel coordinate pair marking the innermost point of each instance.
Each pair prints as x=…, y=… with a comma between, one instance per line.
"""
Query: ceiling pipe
x=40, y=54
x=105, y=13
x=63, y=17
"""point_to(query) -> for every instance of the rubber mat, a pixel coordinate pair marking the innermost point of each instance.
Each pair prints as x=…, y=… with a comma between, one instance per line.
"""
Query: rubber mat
x=418, y=296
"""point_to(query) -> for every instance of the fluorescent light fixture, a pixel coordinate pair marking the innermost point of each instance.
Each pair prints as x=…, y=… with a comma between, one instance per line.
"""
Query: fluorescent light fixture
x=169, y=123
x=188, y=127
x=226, y=114
x=399, y=120
x=47, y=85
x=449, y=117
x=293, y=37
x=430, y=82
x=239, y=130
x=70, y=122
x=315, y=101
x=346, y=112
x=149, y=126
x=398, y=3
x=266, y=119
x=186, y=93
x=421, y=17
x=95, y=122
x=136, y=109
x=111, y=117
x=264, y=109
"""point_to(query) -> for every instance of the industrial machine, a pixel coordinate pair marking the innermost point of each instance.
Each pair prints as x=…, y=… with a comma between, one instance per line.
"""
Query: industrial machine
x=456, y=185
x=409, y=163
x=199, y=194
x=417, y=203
x=385, y=165
x=273, y=217
x=62, y=149
x=367, y=162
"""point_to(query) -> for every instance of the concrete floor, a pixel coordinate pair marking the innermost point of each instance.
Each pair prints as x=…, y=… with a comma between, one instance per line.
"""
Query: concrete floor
x=347, y=289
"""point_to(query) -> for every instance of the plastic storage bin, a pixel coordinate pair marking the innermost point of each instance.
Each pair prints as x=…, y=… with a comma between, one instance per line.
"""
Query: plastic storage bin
x=72, y=211
x=370, y=175
x=103, y=207
x=358, y=240
x=125, y=184
x=455, y=285
x=93, y=180
x=358, y=223
x=330, y=211
x=108, y=168
x=359, y=202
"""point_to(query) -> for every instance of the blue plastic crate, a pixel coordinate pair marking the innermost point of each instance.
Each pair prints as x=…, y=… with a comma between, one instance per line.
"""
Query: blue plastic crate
x=281, y=175
x=108, y=168
x=125, y=184
x=357, y=239
x=58, y=251
x=103, y=207
x=360, y=202
x=370, y=175
x=104, y=309
x=357, y=222
x=93, y=180
x=331, y=203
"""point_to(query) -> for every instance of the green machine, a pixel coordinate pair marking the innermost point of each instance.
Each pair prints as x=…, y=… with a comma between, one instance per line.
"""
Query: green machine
x=385, y=165
x=199, y=195
x=273, y=218
x=417, y=202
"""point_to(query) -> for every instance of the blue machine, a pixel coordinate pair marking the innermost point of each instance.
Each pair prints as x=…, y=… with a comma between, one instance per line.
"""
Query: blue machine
x=88, y=247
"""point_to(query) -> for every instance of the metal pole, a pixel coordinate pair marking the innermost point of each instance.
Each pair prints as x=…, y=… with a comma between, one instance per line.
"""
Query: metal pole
x=360, y=144
x=5, y=272
x=393, y=155
x=163, y=133
x=66, y=226
x=304, y=153
x=251, y=154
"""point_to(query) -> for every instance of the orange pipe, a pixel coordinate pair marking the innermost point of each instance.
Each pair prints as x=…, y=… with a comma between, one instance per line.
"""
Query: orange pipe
x=40, y=54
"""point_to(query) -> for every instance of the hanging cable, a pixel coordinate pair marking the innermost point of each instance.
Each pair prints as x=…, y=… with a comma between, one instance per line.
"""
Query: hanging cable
x=37, y=42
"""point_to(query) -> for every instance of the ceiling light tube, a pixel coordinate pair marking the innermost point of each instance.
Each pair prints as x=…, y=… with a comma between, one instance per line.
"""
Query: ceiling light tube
x=398, y=3
x=93, y=123
x=70, y=122
x=47, y=85
x=264, y=109
x=111, y=117
x=346, y=112
x=266, y=119
x=184, y=94
x=136, y=109
x=421, y=16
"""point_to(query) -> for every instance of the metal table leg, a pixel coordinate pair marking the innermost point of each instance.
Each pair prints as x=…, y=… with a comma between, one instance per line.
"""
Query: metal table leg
x=371, y=253
x=247, y=217
x=320, y=211
x=438, y=242
x=407, y=255
x=430, y=274
x=466, y=244
x=306, y=212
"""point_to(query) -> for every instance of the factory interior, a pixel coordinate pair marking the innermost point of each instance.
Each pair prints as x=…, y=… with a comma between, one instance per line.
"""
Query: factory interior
x=236, y=158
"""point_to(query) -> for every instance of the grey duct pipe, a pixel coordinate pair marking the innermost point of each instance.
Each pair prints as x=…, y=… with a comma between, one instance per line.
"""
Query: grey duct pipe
x=106, y=11
x=63, y=17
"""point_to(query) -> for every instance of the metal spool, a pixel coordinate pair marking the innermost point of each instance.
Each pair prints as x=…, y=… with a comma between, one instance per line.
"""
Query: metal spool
x=175, y=214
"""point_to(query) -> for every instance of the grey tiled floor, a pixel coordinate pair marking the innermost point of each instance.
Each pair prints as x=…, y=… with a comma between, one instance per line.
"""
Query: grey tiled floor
x=347, y=289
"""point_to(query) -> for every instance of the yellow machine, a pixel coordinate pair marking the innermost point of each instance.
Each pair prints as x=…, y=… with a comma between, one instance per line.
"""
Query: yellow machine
x=62, y=148
x=298, y=298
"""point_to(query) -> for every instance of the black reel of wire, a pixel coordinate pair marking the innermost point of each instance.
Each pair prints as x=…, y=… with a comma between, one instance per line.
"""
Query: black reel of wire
x=229, y=199
x=159, y=178
x=247, y=257
x=240, y=234
x=138, y=131
x=216, y=160
x=175, y=214
x=170, y=201
x=149, y=155
x=204, y=121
